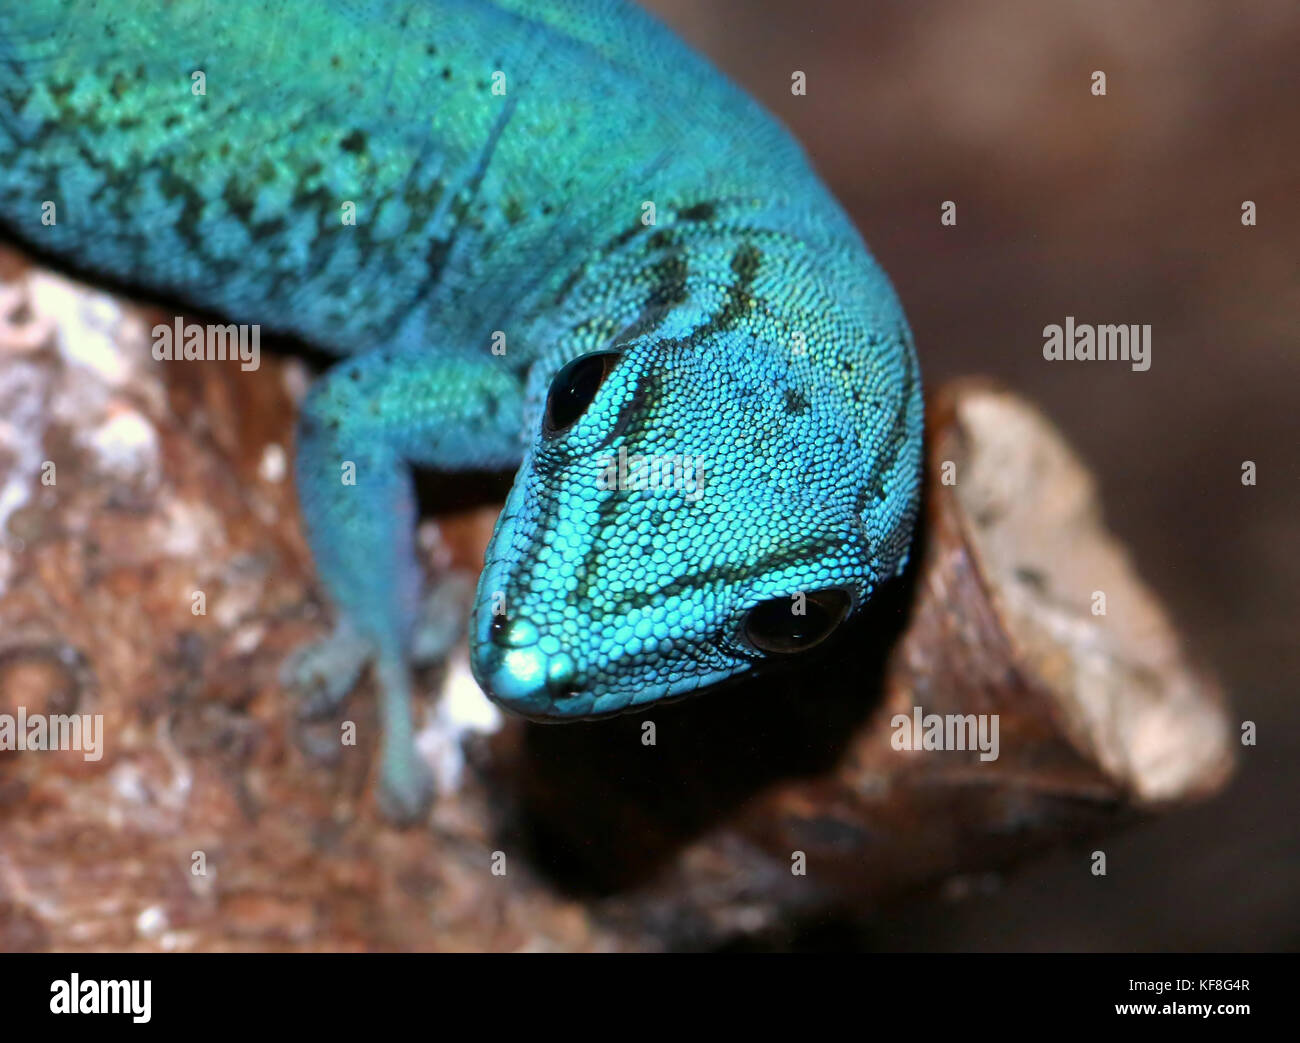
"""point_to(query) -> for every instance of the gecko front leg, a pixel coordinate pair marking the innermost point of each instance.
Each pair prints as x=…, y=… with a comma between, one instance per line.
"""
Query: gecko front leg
x=363, y=427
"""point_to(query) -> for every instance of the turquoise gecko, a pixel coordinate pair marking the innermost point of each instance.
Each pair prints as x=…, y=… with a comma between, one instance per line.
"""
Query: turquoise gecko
x=541, y=235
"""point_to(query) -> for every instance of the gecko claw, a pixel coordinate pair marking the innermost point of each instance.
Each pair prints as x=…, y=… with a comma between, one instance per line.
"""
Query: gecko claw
x=406, y=792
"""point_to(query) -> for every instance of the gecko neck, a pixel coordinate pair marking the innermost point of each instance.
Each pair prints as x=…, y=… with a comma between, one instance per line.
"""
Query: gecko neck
x=709, y=269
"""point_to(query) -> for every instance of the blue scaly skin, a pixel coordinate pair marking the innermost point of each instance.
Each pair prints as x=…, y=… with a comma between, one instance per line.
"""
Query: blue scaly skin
x=566, y=181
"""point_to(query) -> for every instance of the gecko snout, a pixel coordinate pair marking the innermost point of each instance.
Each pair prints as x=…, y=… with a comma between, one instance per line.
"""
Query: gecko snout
x=522, y=669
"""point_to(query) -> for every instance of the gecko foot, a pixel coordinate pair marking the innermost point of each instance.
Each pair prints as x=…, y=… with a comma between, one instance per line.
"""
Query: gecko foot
x=442, y=618
x=405, y=800
x=323, y=672
x=405, y=782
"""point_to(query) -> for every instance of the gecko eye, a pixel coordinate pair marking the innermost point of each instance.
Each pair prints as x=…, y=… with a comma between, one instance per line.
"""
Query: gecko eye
x=772, y=626
x=573, y=390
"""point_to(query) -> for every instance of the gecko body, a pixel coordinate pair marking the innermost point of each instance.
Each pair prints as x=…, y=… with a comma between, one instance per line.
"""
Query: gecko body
x=538, y=236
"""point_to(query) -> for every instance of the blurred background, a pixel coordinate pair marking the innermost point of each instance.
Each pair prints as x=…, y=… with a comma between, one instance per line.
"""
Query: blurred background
x=1117, y=209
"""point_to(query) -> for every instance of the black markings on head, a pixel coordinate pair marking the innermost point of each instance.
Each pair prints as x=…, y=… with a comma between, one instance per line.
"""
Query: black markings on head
x=623, y=238
x=731, y=575
x=627, y=410
x=876, y=487
x=745, y=264
x=897, y=436
x=667, y=282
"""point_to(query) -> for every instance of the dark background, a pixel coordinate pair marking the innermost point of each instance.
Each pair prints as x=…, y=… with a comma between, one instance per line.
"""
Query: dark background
x=1117, y=209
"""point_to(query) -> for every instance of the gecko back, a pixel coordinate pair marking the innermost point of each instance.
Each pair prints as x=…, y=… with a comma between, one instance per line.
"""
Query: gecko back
x=357, y=173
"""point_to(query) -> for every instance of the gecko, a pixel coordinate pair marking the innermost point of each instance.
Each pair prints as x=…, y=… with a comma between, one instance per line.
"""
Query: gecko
x=541, y=236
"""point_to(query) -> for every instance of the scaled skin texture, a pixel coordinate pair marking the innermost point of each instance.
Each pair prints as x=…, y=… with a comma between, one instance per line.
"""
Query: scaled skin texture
x=461, y=199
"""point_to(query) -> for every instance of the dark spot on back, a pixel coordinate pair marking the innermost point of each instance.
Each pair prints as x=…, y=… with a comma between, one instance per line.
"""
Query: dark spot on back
x=700, y=212
x=514, y=211
x=439, y=249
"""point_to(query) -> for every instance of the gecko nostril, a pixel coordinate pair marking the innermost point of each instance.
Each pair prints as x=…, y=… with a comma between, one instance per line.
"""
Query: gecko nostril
x=512, y=633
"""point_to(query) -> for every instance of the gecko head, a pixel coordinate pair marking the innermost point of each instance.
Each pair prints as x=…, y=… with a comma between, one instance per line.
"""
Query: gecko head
x=681, y=516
